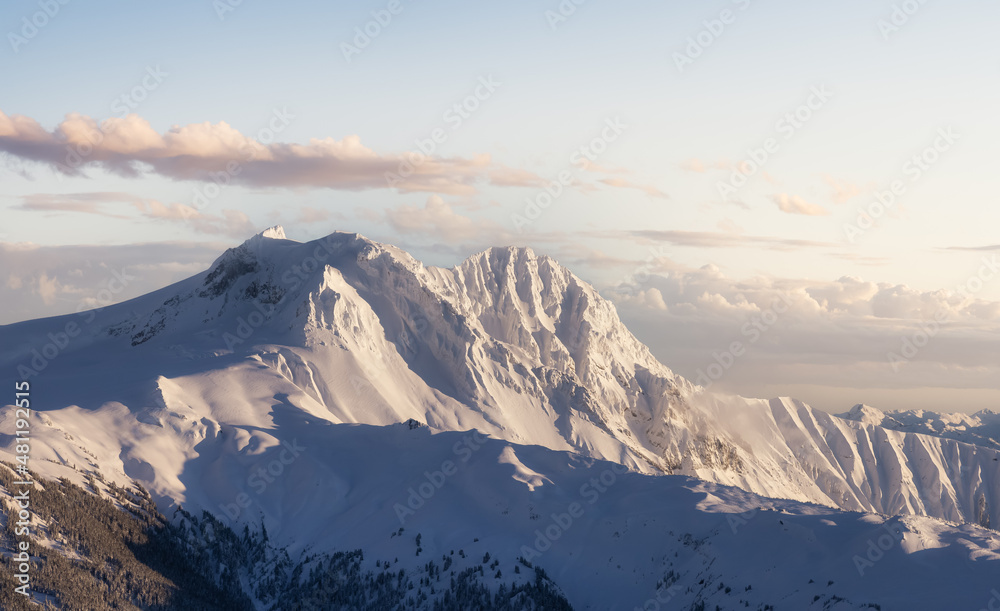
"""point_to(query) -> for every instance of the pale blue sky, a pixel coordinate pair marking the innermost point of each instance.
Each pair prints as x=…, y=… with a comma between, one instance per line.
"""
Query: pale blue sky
x=558, y=87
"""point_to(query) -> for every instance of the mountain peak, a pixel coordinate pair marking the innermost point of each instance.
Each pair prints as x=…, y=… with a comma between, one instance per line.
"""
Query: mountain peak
x=343, y=329
x=510, y=254
x=525, y=250
x=277, y=232
x=864, y=414
x=508, y=260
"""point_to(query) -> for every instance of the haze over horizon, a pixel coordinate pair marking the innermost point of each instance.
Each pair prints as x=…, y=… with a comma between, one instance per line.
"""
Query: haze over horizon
x=808, y=181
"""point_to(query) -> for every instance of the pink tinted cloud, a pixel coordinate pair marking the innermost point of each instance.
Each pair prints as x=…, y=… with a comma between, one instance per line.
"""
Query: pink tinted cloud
x=206, y=151
x=793, y=204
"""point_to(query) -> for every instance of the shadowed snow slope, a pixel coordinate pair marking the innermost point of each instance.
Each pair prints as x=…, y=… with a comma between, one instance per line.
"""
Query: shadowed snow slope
x=278, y=338
x=610, y=539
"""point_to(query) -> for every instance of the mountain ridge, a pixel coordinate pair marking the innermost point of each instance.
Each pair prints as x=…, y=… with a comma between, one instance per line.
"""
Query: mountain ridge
x=346, y=330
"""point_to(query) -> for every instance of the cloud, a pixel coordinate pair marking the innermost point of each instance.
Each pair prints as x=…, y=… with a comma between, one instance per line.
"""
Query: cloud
x=729, y=226
x=15, y=165
x=648, y=298
x=861, y=259
x=805, y=336
x=697, y=165
x=205, y=151
x=707, y=290
x=87, y=203
x=53, y=280
x=309, y=214
x=621, y=183
x=616, y=180
x=47, y=288
x=577, y=254
x=715, y=239
x=232, y=223
x=793, y=204
x=841, y=190
x=591, y=166
x=437, y=219
x=510, y=177
x=693, y=165
x=975, y=248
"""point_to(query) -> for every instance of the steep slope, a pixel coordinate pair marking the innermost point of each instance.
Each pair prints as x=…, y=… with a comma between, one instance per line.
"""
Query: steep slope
x=425, y=508
x=981, y=428
x=229, y=363
x=102, y=549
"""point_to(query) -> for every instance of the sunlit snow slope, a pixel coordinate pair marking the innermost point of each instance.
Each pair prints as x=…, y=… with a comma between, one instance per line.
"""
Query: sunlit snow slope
x=981, y=428
x=212, y=371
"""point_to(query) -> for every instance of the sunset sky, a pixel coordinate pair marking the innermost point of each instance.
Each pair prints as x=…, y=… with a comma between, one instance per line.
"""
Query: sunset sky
x=703, y=164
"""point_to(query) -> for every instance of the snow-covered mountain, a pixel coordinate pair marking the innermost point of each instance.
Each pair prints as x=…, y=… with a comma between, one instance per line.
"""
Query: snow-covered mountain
x=330, y=390
x=346, y=330
x=440, y=505
x=981, y=428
